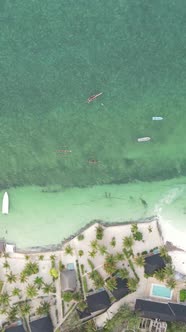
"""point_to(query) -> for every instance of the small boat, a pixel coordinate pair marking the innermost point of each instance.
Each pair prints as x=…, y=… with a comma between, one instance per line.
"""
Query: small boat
x=64, y=151
x=5, y=204
x=91, y=98
x=92, y=161
x=157, y=118
x=144, y=139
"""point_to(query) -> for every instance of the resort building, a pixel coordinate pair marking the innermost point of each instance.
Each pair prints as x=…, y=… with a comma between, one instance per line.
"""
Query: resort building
x=168, y=312
x=68, y=281
x=98, y=302
x=43, y=324
x=121, y=289
x=153, y=263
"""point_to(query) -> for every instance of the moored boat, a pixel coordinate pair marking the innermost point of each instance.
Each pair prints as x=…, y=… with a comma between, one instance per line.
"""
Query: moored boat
x=157, y=118
x=5, y=203
x=144, y=139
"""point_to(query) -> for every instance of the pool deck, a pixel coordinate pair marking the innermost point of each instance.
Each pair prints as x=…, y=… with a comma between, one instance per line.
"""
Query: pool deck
x=175, y=292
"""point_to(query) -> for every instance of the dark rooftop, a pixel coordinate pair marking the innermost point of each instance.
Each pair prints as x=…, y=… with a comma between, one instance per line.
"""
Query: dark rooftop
x=122, y=288
x=153, y=263
x=42, y=325
x=168, y=312
x=98, y=301
x=15, y=329
x=83, y=314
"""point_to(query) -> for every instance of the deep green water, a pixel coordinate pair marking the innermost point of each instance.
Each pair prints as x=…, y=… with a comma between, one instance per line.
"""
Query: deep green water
x=55, y=54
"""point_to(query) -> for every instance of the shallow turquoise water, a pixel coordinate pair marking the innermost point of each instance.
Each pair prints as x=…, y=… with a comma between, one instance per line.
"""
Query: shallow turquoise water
x=161, y=291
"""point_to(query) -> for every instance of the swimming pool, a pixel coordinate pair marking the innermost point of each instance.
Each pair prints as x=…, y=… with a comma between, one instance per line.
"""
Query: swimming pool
x=161, y=291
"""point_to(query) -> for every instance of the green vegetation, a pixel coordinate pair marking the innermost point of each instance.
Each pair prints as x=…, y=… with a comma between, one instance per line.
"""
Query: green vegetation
x=96, y=278
x=123, y=273
x=125, y=318
x=80, y=252
x=139, y=260
x=38, y=281
x=67, y=296
x=69, y=250
x=41, y=257
x=31, y=291
x=132, y=284
x=138, y=236
x=111, y=284
x=182, y=295
x=82, y=268
x=171, y=283
x=92, y=253
x=61, y=266
x=11, y=278
x=54, y=273
x=85, y=286
x=48, y=288
x=113, y=242
x=119, y=256
x=128, y=242
x=99, y=232
x=160, y=275
x=90, y=264
x=81, y=237
x=43, y=309
x=176, y=327
x=16, y=291
x=31, y=268
x=110, y=264
x=102, y=249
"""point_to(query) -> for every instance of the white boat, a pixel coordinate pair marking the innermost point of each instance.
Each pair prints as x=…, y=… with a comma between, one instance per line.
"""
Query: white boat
x=157, y=118
x=144, y=139
x=5, y=204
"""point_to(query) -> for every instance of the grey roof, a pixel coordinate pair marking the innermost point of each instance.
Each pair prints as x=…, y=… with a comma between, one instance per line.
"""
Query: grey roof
x=98, y=301
x=68, y=280
x=121, y=288
x=42, y=325
x=153, y=263
x=168, y=312
x=15, y=329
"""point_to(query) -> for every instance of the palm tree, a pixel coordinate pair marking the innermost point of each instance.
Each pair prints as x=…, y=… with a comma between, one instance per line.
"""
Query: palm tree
x=13, y=313
x=48, y=288
x=163, y=251
x=123, y=273
x=38, y=282
x=110, y=264
x=41, y=257
x=113, y=242
x=119, y=256
x=111, y=284
x=134, y=228
x=16, y=291
x=23, y=277
x=52, y=257
x=132, y=284
x=92, y=253
x=102, y=249
x=27, y=257
x=169, y=270
x=99, y=232
x=94, y=244
x=43, y=309
x=11, y=277
x=24, y=309
x=4, y=299
x=6, y=265
x=31, y=291
x=139, y=260
x=128, y=241
x=171, y=283
x=31, y=268
x=69, y=250
x=160, y=275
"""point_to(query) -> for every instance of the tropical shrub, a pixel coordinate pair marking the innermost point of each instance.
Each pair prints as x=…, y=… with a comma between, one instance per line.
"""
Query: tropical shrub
x=99, y=232
x=80, y=252
x=138, y=236
x=96, y=278
x=31, y=268
x=111, y=284
x=113, y=242
x=54, y=273
x=128, y=242
x=182, y=295
x=68, y=296
x=81, y=237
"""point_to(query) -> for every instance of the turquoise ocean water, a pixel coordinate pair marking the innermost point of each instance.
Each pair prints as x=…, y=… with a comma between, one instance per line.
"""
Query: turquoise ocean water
x=54, y=55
